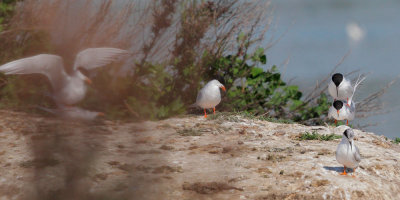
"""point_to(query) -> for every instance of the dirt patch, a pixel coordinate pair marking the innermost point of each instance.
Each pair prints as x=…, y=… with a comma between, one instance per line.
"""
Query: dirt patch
x=39, y=163
x=319, y=183
x=167, y=169
x=208, y=187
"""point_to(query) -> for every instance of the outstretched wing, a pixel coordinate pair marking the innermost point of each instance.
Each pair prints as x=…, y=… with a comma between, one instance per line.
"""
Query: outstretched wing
x=358, y=82
x=97, y=57
x=49, y=65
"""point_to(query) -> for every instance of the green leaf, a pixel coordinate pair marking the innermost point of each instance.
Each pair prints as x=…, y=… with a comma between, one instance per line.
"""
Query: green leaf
x=255, y=71
x=263, y=59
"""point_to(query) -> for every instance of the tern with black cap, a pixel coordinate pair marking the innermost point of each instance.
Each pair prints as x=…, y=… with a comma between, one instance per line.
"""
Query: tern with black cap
x=347, y=152
x=340, y=88
x=345, y=110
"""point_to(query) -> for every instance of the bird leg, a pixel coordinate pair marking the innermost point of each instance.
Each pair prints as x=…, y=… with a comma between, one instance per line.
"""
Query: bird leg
x=214, y=110
x=347, y=122
x=344, y=171
x=335, y=122
x=205, y=113
x=354, y=171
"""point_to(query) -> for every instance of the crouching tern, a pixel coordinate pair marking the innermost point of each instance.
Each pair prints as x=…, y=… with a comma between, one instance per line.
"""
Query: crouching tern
x=68, y=89
x=347, y=152
x=209, y=96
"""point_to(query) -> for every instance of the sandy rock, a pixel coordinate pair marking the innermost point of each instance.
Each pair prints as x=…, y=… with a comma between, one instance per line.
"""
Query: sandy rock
x=186, y=158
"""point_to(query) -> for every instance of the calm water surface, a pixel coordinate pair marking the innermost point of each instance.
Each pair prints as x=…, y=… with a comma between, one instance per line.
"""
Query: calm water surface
x=316, y=39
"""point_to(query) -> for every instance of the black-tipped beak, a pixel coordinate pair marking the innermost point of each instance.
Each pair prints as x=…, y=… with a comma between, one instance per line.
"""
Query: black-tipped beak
x=337, y=92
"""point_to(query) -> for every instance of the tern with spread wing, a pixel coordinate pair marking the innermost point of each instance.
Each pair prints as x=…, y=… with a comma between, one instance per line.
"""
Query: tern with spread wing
x=68, y=89
x=209, y=96
x=345, y=110
x=347, y=152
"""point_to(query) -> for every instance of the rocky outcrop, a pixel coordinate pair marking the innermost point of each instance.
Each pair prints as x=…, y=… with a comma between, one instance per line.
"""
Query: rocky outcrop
x=223, y=157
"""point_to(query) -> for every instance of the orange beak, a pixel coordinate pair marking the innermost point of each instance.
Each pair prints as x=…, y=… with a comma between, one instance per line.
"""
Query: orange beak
x=223, y=88
x=88, y=81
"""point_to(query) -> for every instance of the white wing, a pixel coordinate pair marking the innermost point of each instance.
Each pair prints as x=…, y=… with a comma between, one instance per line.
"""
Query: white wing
x=97, y=57
x=358, y=82
x=49, y=65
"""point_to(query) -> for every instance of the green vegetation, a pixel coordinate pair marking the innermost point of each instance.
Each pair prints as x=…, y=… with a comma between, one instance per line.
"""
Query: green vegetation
x=396, y=140
x=6, y=10
x=236, y=116
x=156, y=86
x=316, y=136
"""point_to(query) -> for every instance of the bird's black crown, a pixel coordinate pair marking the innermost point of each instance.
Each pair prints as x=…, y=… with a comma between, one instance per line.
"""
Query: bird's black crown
x=337, y=79
x=338, y=105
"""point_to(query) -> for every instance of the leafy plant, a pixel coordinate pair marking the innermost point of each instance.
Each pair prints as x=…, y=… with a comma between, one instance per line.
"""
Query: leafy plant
x=396, y=140
x=263, y=92
x=316, y=136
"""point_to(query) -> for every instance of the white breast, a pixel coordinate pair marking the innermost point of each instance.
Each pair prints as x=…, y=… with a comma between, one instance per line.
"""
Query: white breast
x=345, y=155
x=209, y=97
x=73, y=92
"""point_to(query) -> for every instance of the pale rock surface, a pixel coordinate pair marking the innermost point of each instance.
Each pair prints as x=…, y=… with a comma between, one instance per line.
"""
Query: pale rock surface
x=224, y=157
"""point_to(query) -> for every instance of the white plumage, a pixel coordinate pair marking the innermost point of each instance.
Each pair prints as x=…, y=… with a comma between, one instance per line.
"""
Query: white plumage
x=347, y=152
x=340, y=88
x=345, y=109
x=68, y=89
x=209, y=96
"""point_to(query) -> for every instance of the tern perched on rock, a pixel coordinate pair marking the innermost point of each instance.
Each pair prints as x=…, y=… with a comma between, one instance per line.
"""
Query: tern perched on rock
x=345, y=110
x=74, y=113
x=340, y=88
x=68, y=89
x=347, y=152
x=209, y=96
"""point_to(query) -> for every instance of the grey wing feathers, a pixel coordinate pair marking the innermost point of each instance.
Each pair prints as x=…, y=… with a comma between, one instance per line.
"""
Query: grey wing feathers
x=97, y=57
x=200, y=96
x=357, y=155
x=49, y=65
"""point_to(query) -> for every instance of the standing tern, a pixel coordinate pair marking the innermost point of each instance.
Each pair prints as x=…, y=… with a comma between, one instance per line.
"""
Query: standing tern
x=209, y=96
x=347, y=152
x=68, y=89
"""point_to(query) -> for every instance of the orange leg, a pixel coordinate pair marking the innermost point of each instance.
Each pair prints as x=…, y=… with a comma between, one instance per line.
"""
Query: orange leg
x=344, y=171
x=348, y=103
x=354, y=171
x=347, y=122
x=205, y=113
x=214, y=110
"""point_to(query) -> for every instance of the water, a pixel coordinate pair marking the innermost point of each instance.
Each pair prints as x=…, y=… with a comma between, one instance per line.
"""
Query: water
x=316, y=40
